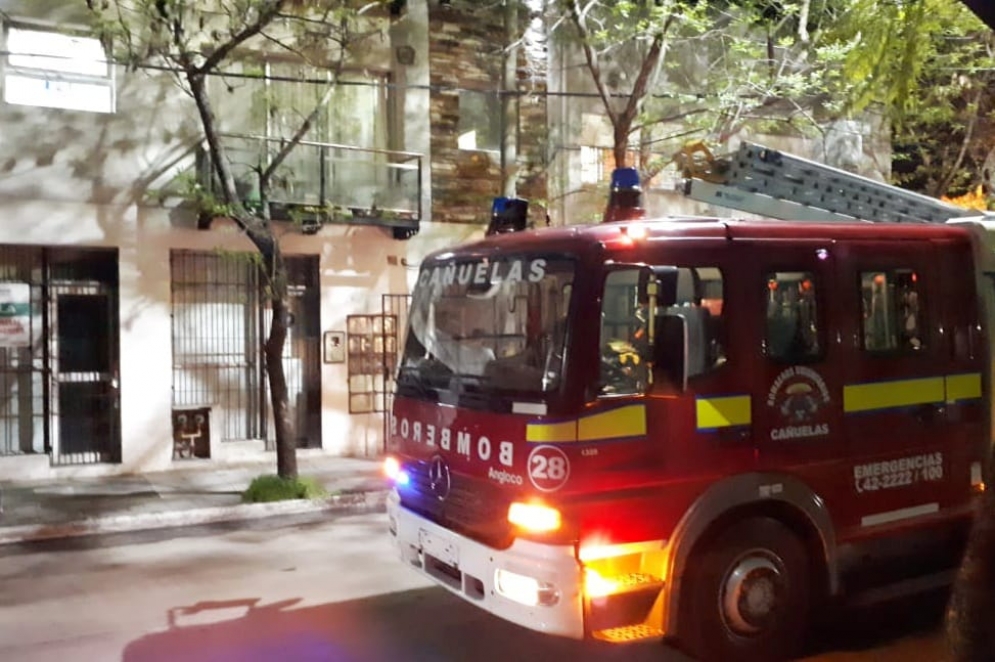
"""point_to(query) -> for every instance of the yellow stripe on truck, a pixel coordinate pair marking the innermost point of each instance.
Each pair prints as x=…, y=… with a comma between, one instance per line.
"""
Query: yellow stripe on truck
x=711, y=413
x=551, y=433
x=735, y=410
x=628, y=421
x=963, y=387
x=893, y=394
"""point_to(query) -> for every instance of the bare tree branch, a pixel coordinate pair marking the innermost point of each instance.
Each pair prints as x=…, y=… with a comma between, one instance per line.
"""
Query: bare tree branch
x=951, y=170
x=664, y=119
x=577, y=16
x=263, y=18
x=297, y=137
x=803, y=12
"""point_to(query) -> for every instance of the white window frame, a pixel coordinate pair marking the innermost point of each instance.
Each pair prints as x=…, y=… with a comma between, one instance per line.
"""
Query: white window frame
x=47, y=79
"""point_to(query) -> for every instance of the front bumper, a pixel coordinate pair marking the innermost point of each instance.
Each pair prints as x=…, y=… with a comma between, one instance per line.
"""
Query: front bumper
x=468, y=569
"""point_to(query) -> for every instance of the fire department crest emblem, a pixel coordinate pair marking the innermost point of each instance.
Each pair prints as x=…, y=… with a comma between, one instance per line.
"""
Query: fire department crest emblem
x=799, y=397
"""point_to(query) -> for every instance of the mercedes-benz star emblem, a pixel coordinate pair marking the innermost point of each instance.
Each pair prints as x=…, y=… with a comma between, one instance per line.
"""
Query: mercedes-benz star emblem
x=439, y=480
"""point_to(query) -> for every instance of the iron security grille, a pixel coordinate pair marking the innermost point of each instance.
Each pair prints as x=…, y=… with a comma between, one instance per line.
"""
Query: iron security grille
x=216, y=340
x=59, y=386
x=220, y=319
x=23, y=418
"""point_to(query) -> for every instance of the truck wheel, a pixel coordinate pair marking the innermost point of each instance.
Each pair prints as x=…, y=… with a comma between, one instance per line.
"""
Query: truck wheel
x=745, y=595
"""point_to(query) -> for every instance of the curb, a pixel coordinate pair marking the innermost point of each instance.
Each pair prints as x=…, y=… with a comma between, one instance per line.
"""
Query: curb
x=356, y=502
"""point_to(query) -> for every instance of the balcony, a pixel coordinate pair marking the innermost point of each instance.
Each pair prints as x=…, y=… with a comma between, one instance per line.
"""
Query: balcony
x=324, y=183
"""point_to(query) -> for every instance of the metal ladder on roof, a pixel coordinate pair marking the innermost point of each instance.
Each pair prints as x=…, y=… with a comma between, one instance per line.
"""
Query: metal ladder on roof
x=774, y=184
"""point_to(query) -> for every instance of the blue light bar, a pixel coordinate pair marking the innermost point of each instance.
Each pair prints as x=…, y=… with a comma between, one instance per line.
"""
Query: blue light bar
x=625, y=179
x=508, y=215
x=625, y=198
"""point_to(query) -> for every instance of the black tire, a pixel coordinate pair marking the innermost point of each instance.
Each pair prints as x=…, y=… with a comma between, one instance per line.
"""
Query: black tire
x=761, y=561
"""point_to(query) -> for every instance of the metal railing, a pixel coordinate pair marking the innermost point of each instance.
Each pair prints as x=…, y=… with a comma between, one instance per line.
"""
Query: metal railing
x=326, y=182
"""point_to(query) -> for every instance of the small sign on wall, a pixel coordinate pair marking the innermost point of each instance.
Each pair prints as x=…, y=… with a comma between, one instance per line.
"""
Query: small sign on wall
x=334, y=346
x=15, y=315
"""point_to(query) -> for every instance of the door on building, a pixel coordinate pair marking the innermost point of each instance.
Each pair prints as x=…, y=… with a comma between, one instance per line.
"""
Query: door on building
x=58, y=383
x=220, y=318
x=85, y=375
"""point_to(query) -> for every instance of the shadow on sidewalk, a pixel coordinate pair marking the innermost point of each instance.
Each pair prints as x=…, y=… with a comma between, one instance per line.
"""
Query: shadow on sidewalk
x=430, y=625
x=424, y=625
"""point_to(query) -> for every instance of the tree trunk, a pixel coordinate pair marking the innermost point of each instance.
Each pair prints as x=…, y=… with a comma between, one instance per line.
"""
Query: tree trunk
x=621, y=142
x=286, y=449
x=972, y=605
x=260, y=233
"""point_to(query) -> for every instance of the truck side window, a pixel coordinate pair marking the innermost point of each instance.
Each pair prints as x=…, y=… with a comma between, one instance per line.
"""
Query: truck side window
x=892, y=311
x=623, y=327
x=792, y=321
x=699, y=301
x=625, y=343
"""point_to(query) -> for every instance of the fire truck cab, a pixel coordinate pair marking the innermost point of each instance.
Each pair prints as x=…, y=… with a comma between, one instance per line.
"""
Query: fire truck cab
x=698, y=429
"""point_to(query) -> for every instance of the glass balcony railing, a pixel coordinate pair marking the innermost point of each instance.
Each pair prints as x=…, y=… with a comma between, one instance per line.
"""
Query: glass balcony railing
x=321, y=183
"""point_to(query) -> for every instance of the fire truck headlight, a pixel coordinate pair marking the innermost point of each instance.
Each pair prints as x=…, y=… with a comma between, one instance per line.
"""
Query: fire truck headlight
x=534, y=517
x=526, y=590
x=391, y=467
x=393, y=471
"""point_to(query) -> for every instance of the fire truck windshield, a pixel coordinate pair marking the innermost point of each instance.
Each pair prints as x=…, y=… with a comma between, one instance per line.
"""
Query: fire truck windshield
x=487, y=327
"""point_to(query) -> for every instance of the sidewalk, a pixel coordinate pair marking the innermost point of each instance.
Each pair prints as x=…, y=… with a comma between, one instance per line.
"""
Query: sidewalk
x=180, y=497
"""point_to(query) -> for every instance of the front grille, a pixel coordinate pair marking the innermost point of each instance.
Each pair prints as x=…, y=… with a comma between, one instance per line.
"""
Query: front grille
x=473, y=508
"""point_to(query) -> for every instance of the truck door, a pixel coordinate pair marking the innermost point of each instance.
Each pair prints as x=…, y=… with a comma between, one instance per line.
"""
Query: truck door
x=698, y=431
x=797, y=399
x=893, y=371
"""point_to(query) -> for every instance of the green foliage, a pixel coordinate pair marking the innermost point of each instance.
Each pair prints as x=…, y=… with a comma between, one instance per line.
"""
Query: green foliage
x=271, y=487
x=725, y=66
x=793, y=67
x=926, y=66
x=190, y=31
x=187, y=185
x=892, y=50
x=307, y=216
x=230, y=43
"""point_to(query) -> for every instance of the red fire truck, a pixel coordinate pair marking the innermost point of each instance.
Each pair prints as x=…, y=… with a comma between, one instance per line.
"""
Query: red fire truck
x=699, y=429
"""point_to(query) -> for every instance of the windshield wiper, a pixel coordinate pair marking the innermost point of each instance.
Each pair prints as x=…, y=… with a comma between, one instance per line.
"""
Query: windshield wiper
x=409, y=379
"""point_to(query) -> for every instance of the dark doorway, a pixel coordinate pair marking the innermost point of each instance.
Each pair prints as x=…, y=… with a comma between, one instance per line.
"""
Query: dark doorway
x=86, y=375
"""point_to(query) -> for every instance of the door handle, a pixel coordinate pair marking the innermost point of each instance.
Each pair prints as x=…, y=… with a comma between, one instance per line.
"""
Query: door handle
x=929, y=413
x=735, y=434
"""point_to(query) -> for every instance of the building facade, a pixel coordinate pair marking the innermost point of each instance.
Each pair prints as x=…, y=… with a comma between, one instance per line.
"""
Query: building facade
x=131, y=325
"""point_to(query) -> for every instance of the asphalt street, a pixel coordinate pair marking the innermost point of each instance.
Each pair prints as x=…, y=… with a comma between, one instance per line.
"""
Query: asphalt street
x=311, y=591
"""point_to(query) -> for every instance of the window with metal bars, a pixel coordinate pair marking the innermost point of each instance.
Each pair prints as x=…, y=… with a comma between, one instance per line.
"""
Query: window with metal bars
x=220, y=320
